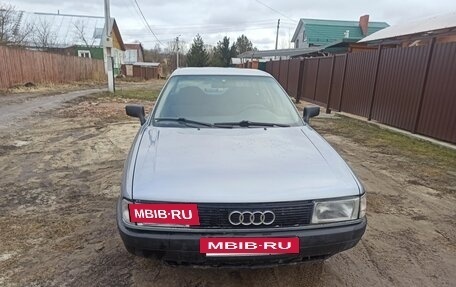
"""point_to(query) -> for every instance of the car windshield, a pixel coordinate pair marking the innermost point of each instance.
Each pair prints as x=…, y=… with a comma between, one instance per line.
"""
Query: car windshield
x=225, y=101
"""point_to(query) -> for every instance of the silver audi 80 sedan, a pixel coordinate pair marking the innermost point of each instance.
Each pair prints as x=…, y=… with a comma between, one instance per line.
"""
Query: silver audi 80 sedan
x=226, y=172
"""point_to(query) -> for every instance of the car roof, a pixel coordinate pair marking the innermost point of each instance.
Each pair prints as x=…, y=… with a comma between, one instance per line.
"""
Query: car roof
x=219, y=71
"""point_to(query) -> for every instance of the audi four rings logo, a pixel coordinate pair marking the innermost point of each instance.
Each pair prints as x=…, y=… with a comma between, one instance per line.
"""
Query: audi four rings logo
x=251, y=218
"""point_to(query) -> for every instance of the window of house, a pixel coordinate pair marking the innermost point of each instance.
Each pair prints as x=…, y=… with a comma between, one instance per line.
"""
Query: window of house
x=304, y=36
x=84, y=54
x=297, y=43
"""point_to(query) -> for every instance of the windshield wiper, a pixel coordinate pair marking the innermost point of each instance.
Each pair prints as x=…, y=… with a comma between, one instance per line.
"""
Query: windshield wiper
x=249, y=124
x=183, y=121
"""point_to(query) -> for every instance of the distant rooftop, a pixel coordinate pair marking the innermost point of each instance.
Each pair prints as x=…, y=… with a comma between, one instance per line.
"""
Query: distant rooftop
x=333, y=47
x=322, y=31
x=146, y=64
x=327, y=22
x=133, y=46
x=281, y=52
x=414, y=27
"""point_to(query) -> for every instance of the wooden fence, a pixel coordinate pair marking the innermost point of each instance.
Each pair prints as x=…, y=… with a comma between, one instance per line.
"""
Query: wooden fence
x=145, y=73
x=409, y=88
x=20, y=66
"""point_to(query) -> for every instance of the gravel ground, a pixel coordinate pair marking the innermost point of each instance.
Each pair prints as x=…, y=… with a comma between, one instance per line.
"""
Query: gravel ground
x=60, y=172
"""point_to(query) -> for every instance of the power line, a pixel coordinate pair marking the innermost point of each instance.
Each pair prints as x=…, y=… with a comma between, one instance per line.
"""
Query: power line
x=206, y=27
x=133, y=6
x=277, y=11
x=203, y=30
x=145, y=20
x=259, y=22
x=130, y=4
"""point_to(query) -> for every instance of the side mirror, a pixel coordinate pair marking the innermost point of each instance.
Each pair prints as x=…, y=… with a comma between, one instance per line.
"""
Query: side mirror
x=310, y=112
x=136, y=111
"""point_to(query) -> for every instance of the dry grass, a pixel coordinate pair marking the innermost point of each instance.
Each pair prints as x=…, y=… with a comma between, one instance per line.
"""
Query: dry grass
x=147, y=91
x=416, y=157
x=137, y=94
x=48, y=88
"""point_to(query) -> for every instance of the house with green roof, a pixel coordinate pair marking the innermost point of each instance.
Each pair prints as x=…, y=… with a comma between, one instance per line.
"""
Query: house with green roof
x=318, y=32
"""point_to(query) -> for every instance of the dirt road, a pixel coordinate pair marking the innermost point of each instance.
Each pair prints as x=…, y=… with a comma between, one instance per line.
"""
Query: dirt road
x=60, y=172
x=16, y=107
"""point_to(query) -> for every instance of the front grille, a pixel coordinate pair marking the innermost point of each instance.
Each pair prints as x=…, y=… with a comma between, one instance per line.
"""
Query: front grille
x=288, y=214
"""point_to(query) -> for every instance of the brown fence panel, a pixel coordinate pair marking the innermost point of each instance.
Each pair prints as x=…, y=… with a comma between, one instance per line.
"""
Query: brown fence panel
x=19, y=66
x=4, y=76
x=410, y=88
x=309, y=79
x=269, y=67
x=4, y=79
x=399, y=79
x=145, y=73
x=359, y=79
x=137, y=72
x=293, y=77
x=13, y=69
x=276, y=69
x=438, y=117
x=283, y=74
x=323, y=80
x=337, y=81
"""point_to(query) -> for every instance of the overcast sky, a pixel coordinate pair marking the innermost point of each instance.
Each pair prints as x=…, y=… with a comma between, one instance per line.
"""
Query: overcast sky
x=214, y=19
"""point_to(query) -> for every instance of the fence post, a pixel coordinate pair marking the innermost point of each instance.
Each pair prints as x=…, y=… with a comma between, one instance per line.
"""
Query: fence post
x=339, y=108
x=300, y=79
x=423, y=85
x=374, y=85
x=316, y=79
x=288, y=73
x=278, y=72
x=328, y=110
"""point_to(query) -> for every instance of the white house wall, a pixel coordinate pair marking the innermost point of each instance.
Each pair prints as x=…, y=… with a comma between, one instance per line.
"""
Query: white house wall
x=299, y=37
x=118, y=58
x=131, y=56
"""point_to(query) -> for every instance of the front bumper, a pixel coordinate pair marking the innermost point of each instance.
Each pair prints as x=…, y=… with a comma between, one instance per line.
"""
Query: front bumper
x=183, y=247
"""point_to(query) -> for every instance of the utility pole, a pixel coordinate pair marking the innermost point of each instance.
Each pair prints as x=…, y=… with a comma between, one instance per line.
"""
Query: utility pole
x=277, y=34
x=177, y=54
x=107, y=43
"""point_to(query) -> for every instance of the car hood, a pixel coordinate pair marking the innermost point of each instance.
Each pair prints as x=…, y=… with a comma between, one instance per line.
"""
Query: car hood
x=238, y=165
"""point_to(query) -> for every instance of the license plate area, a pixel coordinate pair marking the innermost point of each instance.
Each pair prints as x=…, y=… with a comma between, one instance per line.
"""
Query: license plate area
x=239, y=254
x=248, y=246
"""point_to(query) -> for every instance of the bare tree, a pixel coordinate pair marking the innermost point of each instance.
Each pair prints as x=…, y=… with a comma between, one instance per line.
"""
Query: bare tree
x=11, y=30
x=43, y=36
x=80, y=33
x=23, y=35
x=154, y=55
x=8, y=23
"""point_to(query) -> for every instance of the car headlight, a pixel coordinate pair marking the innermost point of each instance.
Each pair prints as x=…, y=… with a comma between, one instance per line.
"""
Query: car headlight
x=125, y=211
x=336, y=210
x=363, y=206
